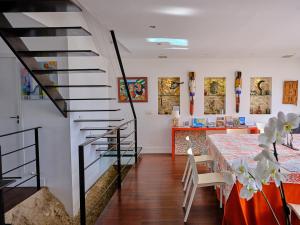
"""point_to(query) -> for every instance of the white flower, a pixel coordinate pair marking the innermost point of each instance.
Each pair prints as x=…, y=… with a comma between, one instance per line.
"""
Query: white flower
x=265, y=154
x=262, y=172
x=249, y=189
x=229, y=177
x=240, y=168
x=275, y=174
x=271, y=134
x=286, y=123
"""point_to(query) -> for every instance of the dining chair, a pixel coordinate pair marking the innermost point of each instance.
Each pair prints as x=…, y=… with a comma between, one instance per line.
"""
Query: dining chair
x=294, y=208
x=198, y=181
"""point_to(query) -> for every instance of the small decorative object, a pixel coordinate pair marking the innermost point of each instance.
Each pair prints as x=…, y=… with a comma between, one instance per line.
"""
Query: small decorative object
x=214, y=95
x=229, y=121
x=30, y=90
x=290, y=92
x=168, y=94
x=220, y=122
x=211, y=122
x=268, y=166
x=176, y=118
x=238, y=90
x=242, y=121
x=138, y=89
x=260, y=95
x=199, y=122
x=236, y=122
x=192, y=90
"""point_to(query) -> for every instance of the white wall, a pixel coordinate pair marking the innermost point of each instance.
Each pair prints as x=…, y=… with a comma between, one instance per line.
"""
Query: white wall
x=154, y=130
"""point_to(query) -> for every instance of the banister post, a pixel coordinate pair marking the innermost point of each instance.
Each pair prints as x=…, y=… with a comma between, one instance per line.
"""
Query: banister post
x=81, y=185
x=37, y=158
x=119, y=165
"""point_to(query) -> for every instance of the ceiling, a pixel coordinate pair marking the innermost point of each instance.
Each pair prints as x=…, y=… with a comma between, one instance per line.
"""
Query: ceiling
x=213, y=28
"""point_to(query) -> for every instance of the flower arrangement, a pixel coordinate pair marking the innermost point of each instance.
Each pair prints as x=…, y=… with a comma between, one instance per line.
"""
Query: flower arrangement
x=268, y=166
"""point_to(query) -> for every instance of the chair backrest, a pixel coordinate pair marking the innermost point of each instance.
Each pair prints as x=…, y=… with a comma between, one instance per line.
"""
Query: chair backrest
x=261, y=127
x=193, y=166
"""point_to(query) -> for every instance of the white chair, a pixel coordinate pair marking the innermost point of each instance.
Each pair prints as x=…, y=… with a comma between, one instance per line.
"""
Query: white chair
x=238, y=131
x=188, y=169
x=294, y=208
x=200, y=180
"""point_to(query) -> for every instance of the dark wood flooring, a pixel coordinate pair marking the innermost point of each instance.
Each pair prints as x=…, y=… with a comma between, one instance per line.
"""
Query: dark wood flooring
x=12, y=197
x=152, y=195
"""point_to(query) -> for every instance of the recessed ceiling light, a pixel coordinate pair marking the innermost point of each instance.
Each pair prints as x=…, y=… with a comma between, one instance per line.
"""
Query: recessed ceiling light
x=178, y=48
x=288, y=56
x=177, y=11
x=171, y=41
x=162, y=56
x=152, y=26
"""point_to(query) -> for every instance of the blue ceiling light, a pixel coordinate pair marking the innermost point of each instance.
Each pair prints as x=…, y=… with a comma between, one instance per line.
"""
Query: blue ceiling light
x=171, y=41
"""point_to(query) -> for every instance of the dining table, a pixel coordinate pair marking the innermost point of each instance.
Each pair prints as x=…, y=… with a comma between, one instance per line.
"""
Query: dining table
x=226, y=150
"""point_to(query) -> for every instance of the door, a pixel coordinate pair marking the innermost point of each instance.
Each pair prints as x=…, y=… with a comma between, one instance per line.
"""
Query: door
x=9, y=113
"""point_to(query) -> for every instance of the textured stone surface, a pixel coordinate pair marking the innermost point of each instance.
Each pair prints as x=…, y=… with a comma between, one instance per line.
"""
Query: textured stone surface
x=42, y=208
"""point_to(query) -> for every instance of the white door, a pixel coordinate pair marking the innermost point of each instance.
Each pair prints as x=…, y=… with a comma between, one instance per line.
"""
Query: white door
x=9, y=113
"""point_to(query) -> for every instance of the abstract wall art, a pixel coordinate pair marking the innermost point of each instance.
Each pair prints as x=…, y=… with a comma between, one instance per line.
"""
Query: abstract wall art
x=168, y=94
x=138, y=89
x=290, y=92
x=214, y=95
x=30, y=90
x=260, y=95
x=192, y=91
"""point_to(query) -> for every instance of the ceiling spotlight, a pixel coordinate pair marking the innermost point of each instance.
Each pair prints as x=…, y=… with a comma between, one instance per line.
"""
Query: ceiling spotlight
x=177, y=11
x=287, y=56
x=162, y=56
x=152, y=26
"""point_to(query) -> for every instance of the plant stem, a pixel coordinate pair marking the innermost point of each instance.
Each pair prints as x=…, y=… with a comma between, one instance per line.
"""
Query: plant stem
x=285, y=207
x=270, y=207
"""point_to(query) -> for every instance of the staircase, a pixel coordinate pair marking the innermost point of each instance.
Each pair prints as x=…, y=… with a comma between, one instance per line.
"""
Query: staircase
x=113, y=144
x=13, y=37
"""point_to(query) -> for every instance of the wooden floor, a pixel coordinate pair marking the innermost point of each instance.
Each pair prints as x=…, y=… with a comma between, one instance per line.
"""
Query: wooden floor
x=152, y=195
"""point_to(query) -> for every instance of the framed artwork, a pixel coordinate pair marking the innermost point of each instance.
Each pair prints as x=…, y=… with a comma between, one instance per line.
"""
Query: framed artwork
x=30, y=90
x=168, y=94
x=214, y=95
x=138, y=88
x=260, y=95
x=290, y=92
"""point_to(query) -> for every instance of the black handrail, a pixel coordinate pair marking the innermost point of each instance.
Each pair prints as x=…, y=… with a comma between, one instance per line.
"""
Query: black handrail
x=127, y=89
x=37, y=166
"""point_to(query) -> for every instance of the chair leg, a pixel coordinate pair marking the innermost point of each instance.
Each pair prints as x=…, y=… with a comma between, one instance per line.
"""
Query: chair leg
x=190, y=203
x=187, y=192
x=221, y=196
x=185, y=170
x=189, y=174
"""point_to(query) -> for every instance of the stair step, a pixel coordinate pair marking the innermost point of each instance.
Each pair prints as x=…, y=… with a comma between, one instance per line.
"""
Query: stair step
x=85, y=99
x=111, y=143
x=44, y=31
x=113, y=153
x=76, y=86
x=38, y=6
x=96, y=120
x=57, y=53
x=94, y=70
x=108, y=136
x=100, y=128
x=92, y=110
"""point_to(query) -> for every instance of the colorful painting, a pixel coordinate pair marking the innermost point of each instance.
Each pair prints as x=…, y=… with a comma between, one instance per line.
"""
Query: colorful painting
x=260, y=95
x=168, y=94
x=138, y=88
x=30, y=90
x=214, y=95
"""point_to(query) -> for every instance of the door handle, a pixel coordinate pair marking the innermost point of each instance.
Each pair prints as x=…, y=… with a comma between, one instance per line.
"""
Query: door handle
x=16, y=117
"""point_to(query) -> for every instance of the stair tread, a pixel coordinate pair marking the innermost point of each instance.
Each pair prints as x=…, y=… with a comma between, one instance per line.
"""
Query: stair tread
x=89, y=70
x=38, y=6
x=58, y=53
x=107, y=136
x=84, y=99
x=76, y=86
x=128, y=153
x=98, y=120
x=92, y=110
x=44, y=31
x=111, y=143
x=101, y=128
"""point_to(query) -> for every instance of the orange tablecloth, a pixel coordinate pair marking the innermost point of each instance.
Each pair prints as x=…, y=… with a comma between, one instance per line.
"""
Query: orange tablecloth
x=237, y=211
